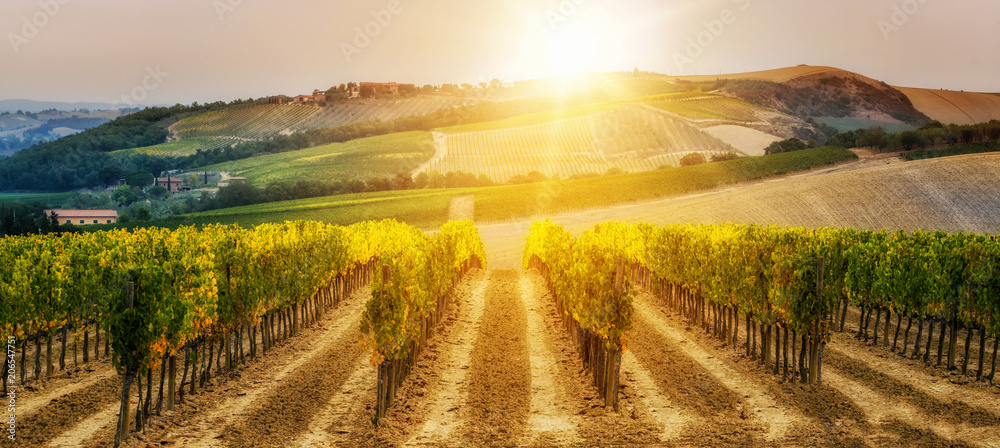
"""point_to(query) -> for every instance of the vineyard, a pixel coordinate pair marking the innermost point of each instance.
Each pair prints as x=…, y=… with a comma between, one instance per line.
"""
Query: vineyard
x=631, y=335
x=632, y=87
x=362, y=159
x=711, y=108
x=382, y=110
x=631, y=138
x=251, y=123
x=155, y=294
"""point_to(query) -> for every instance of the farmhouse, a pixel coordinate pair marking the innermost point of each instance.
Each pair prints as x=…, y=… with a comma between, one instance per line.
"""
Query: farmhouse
x=84, y=217
x=172, y=184
x=382, y=88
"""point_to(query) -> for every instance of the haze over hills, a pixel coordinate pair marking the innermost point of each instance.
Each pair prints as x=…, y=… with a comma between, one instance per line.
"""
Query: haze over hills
x=562, y=127
x=38, y=106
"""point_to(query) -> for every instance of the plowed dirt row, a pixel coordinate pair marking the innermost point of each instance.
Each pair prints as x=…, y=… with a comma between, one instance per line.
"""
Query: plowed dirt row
x=500, y=370
x=777, y=420
x=234, y=400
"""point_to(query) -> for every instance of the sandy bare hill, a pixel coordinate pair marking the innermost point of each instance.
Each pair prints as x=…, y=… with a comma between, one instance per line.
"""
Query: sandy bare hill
x=745, y=140
x=948, y=106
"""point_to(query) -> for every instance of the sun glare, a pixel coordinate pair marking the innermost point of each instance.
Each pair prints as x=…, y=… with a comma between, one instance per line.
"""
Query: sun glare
x=575, y=48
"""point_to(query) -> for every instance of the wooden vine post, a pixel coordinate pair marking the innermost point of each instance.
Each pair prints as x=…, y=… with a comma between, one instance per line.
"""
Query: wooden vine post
x=814, y=353
x=382, y=398
x=614, y=361
x=124, y=423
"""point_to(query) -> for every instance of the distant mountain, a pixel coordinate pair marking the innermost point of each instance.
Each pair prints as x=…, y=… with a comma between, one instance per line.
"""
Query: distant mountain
x=38, y=106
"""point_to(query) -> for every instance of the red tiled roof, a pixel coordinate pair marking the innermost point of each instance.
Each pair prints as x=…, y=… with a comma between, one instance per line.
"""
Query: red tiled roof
x=82, y=213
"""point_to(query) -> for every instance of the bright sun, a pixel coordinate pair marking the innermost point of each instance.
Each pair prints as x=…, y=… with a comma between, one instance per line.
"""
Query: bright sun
x=575, y=48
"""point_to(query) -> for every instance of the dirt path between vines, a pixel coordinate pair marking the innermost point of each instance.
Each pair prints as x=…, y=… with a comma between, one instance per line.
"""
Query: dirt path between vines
x=203, y=418
x=887, y=411
x=496, y=409
x=779, y=420
x=553, y=415
x=448, y=386
x=941, y=389
x=68, y=382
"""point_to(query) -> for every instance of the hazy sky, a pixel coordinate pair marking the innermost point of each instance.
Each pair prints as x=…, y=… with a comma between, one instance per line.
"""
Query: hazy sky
x=168, y=51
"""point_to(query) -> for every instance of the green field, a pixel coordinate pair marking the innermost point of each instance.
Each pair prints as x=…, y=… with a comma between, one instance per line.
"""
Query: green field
x=181, y=148
x=363, y=159
x=853, y=124
x=53, y=199
x=547, y=198
x=421, y=208
x=429, y=208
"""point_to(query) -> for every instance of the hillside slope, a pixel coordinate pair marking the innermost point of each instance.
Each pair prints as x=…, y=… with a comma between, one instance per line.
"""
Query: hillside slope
x=951, y=107
x=954, y=194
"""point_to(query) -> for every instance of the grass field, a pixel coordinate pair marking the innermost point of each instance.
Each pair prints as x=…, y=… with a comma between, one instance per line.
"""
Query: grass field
x=362, y=159
x=421, y=208
x=554, y=197
x=853, y=124
x=429, y=208
x=52, y=199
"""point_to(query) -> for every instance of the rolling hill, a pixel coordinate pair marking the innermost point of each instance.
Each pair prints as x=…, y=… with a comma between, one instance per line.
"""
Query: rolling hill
x=951, y=107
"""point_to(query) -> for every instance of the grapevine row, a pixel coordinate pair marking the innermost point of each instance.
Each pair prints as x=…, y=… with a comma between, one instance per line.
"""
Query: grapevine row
x=783, y=280
x=409, y=296
x=155, y=292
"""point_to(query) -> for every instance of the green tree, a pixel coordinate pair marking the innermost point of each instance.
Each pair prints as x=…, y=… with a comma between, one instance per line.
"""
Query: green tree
x=125, y=195
x=875, y=137
x=695, y=158
x=910, y=139
x=158, y=193
x=143, y=214
x=141, y=179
